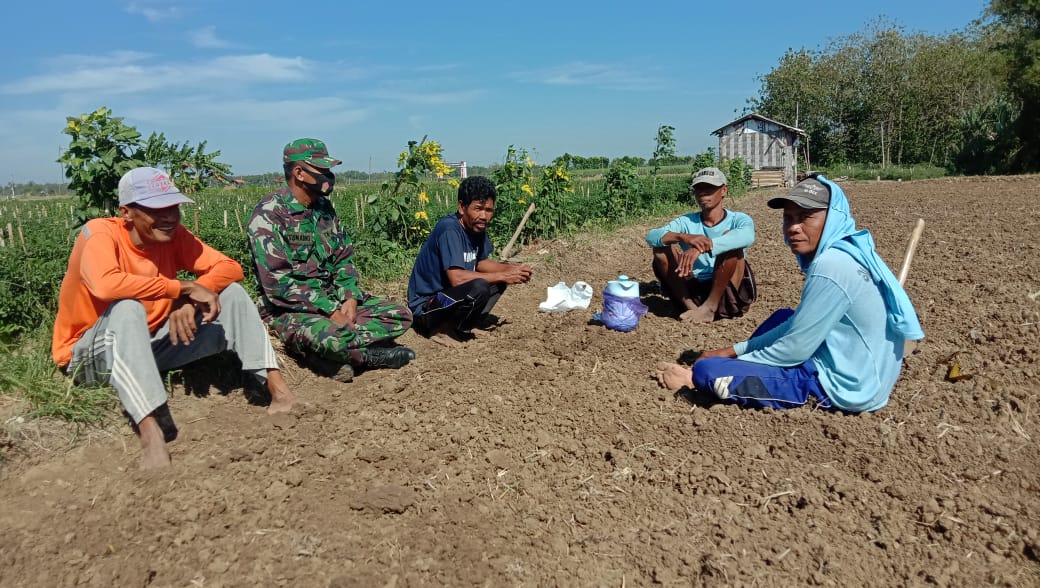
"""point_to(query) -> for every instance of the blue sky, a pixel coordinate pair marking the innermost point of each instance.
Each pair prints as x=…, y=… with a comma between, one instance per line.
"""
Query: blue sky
x=366, y=77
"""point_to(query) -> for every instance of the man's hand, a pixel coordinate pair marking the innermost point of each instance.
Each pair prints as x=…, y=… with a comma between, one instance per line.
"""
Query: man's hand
x=205, y=299
x=700, y=243
x=182, y=324
x=684, y=262
x=346, y=314
x=727, y=352
x=516, y=274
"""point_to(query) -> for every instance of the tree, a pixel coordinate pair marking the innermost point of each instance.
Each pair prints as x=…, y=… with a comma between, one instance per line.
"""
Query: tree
x=1019, y=24
x=194, y=168
x=102, y=148
x=100, y=151
x=665, y=143
x=882, y=95
x=665, y=148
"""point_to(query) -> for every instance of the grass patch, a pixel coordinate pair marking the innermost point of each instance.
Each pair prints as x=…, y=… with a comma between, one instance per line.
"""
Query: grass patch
x=27, y=371
x=858, y=171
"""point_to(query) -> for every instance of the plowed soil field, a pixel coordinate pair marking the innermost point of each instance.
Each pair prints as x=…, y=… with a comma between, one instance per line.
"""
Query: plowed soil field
x=546, y=455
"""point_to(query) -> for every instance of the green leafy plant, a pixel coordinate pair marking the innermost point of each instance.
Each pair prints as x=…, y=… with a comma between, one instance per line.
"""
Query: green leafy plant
x=550, y=217
x=190, y=168
x=665, y=149
x=398, y=210
x=101, y=150
x=621, y=181
x=513, y=181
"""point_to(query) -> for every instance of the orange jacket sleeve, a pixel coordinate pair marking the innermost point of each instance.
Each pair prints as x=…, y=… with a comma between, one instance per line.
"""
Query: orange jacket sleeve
x=215, y=270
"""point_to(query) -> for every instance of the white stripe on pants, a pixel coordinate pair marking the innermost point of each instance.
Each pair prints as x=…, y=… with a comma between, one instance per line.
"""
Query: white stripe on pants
x=119, y=350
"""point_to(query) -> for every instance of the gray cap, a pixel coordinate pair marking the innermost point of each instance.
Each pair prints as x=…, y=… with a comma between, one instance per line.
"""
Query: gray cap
x=708, y=175
x=808, y=193
x=151, y=188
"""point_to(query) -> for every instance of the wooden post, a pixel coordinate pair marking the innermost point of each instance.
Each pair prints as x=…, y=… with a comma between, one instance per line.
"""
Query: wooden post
x=225, y=218
x=915, y=237
x=911, y=247
x=196, y=221
x=21, y=238
x=508, y=251
x=239, y=219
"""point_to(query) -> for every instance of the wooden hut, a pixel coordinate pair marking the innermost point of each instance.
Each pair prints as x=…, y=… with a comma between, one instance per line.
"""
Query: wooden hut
x=769, y=147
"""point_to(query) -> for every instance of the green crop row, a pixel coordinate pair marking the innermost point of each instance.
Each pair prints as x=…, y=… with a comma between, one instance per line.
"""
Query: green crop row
x=38, y=236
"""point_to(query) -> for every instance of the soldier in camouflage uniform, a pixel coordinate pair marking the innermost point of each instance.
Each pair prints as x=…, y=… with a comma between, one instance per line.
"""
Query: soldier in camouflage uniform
x=308, y=287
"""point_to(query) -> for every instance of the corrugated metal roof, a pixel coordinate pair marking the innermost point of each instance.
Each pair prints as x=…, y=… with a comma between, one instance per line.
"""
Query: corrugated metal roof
x=719, y=130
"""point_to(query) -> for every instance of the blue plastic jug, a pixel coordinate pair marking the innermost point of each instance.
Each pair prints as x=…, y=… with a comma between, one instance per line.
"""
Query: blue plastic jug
x=621, y=305
x=623, y=287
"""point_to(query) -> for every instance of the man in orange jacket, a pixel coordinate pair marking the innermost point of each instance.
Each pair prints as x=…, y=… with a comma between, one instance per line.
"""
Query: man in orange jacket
x=123, y=315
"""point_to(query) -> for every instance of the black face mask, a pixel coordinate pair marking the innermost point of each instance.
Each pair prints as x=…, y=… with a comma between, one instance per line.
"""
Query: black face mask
x=321, y=178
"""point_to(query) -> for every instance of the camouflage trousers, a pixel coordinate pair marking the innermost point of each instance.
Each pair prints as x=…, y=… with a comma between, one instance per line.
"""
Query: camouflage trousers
x=378, y=321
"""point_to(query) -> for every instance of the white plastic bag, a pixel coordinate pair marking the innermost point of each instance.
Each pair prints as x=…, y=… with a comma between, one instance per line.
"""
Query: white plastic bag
x=561, y=297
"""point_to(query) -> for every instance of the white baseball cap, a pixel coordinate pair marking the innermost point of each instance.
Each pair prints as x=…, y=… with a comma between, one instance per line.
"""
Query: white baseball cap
x=151, y=188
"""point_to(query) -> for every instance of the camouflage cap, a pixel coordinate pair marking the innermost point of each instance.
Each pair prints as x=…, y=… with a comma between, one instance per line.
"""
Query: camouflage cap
x=310, y=151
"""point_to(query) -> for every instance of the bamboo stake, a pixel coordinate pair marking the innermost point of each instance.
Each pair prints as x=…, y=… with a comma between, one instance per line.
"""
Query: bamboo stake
x=225, y=218
x=10, y=233
x=239, y=219
x=21, y=238
x=508, y=251
x=196, y=221
x=915, y=237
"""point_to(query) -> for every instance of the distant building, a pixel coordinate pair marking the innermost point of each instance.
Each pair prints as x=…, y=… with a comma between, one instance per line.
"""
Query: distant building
x=769, y=147
x=461, y=165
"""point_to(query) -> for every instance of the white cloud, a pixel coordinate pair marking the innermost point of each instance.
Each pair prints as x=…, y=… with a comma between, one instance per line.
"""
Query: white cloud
x=601, y=75
x=131, y=76
x=330, y=112
x=259, y=67
x=153, y=10
x=71, y=61
x=426, y=98
x=439, y=67
x=206, y=38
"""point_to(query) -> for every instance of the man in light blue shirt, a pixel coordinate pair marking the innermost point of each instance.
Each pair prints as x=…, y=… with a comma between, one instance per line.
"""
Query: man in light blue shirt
x=843, y=346
x=699, y=257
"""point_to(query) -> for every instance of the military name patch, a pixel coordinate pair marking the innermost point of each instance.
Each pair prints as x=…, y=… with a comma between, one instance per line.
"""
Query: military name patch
x=299, y=238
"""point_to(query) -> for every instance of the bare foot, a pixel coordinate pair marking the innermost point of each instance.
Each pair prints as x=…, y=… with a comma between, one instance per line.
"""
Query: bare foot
x=445, y=339
x=674, y=376
x=154, y=453
x=282, y=398
x=700, y=314
x=480, y=333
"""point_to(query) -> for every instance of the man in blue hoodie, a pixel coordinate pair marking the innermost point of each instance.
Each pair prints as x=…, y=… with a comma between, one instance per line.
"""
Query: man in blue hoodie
x=842, y=348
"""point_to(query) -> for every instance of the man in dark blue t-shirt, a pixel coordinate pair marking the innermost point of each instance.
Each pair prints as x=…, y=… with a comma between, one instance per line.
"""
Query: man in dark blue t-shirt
x=454, y=285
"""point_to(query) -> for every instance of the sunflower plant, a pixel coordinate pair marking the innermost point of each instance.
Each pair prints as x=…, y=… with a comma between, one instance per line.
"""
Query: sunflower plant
x=513, y=181
x=398, y=210
x=550, y=218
